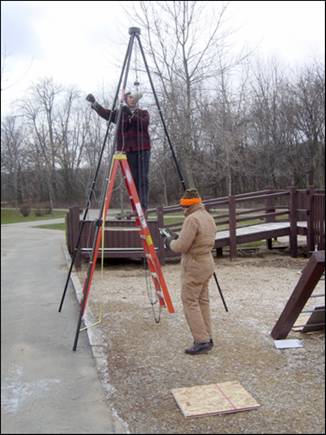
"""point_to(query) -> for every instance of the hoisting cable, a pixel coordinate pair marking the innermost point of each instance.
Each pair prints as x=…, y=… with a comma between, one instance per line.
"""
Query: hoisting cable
x=152, y=295
x=119, y=119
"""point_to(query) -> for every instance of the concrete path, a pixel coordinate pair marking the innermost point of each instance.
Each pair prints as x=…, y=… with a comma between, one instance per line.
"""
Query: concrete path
x=46, y=388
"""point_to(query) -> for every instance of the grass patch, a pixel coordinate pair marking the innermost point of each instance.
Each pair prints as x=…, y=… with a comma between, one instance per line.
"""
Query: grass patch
x=171, y=220
x=61, y=227
x=12, y=216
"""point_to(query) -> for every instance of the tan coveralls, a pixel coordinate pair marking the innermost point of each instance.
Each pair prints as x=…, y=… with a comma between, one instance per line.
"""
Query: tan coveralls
x=195, y=243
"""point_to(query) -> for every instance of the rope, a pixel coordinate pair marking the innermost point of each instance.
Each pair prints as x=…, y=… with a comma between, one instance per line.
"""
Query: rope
x=151, y=293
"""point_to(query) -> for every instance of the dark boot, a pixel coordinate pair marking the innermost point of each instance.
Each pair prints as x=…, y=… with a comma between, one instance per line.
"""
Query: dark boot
x=211, y=342
x=197, y=348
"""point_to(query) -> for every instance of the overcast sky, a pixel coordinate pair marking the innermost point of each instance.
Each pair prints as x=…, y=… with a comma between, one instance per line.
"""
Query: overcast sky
x=81, y=43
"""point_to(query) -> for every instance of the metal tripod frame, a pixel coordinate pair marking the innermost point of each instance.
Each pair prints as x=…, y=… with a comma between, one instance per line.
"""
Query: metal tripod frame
x=134, y=33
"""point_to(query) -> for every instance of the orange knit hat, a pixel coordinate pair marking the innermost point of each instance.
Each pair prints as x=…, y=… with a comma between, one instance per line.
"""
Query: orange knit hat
x=190, y=197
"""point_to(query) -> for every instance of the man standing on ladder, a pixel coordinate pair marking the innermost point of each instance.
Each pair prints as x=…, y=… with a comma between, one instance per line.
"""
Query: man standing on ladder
x=132, y=138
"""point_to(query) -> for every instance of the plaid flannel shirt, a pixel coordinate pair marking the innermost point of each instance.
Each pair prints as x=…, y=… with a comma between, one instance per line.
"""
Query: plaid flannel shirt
x=132, y=130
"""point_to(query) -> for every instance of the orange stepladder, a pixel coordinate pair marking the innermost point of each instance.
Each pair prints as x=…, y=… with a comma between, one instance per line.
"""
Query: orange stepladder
x=120, y=160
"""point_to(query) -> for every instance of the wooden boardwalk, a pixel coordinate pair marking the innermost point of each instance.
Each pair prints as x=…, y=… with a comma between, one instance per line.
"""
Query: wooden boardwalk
x=258, y=232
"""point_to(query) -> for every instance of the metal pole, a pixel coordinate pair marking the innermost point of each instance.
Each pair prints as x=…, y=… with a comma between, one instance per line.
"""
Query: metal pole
x=161, y=115
x=220, y=291
x=94, y=179
x=100, y=222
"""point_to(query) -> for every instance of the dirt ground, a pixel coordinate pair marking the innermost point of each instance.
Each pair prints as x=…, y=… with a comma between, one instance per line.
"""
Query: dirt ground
x=145, y=359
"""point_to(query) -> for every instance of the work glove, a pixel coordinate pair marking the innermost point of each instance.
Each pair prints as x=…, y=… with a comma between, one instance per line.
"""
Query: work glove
x=168, y=236
x=168, y=241
x=90, y=98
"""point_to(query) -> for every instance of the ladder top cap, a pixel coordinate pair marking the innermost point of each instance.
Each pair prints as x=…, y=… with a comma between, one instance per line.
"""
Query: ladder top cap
x=134, y=30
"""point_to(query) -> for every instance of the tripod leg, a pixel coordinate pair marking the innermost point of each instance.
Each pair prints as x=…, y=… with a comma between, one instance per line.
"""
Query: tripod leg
x=220, y=291
x=127, y=58
x=105, y=201
x=87, y=283
x=161, y=116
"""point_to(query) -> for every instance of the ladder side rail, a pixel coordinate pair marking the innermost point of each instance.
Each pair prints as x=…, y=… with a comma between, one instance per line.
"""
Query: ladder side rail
x=95, y=249
x=182, y=181
x=147, y=240
x=96, y=246
x=134, y=199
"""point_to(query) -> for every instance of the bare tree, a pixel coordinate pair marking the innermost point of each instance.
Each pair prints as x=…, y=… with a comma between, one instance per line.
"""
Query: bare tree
x=39, y=112
x=183, y=45
x=309, y=94
x=12, y=159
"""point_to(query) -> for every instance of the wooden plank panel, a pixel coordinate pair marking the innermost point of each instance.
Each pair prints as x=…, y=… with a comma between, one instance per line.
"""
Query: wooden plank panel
x=213, y=399
x=301, y=293
x=316, y=321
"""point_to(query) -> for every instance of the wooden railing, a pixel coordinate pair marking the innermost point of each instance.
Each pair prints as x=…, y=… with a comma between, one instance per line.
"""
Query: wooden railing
x=267, y=205
x=230, y=213
x=121, y=238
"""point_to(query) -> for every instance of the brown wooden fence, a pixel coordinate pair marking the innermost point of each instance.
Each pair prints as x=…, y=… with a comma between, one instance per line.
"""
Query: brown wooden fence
x=243, y=218
x=121, y=238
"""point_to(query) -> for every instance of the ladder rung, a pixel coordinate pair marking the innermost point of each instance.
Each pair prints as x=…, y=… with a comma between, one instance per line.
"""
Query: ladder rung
x=308, y=325
x=117, y=249
x=121, y=229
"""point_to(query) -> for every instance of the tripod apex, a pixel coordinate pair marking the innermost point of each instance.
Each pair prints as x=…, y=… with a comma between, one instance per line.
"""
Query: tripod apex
x=135, y=30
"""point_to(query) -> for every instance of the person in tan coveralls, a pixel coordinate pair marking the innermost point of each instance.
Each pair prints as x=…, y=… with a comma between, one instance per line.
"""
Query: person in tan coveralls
x=195, y=243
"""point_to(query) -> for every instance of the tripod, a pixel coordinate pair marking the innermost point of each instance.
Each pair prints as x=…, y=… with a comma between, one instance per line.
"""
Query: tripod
x=134, y=33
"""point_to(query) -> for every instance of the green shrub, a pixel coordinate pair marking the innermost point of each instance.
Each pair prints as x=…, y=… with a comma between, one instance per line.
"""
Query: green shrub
x=25, y=210
x=39, y=212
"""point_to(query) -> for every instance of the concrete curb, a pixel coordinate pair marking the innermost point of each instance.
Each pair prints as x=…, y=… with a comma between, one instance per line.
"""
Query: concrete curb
x=96, y=341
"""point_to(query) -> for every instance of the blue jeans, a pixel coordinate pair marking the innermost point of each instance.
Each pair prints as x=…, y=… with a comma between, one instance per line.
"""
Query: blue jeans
x=139, y=167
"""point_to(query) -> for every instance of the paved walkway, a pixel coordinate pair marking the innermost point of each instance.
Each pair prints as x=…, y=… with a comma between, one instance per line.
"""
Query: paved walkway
x=46, y=388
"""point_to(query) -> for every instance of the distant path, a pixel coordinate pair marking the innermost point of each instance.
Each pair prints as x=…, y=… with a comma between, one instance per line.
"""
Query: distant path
x=46, y=387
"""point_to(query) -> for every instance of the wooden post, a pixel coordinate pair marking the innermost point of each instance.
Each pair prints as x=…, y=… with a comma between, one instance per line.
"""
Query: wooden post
x=68, y=223
x=160, y=223
x=309, y=278
x=74, y=227
x=310, y=219
x=219, y=252
x=269, y=208
x=293, y=222
x=232, y=226
x=160, y=217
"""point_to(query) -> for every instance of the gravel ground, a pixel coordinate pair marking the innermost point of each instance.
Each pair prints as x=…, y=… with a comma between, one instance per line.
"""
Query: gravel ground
x=145, y=359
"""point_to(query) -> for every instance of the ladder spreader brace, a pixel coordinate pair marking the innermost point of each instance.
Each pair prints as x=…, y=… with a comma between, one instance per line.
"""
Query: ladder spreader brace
x=120, y=160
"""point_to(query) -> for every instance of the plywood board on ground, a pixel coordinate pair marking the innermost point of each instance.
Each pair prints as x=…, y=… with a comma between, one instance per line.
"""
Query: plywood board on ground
x=213, y=399
x=288, y=343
